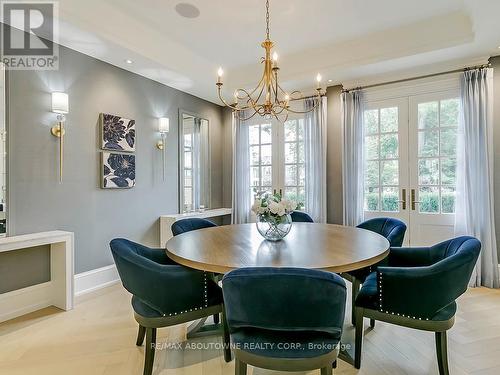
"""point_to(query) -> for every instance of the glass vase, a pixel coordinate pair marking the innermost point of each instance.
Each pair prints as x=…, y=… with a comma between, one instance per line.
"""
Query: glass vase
x=274, y=228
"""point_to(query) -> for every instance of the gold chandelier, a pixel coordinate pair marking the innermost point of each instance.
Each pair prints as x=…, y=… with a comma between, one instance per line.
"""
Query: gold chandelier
x=268, y=99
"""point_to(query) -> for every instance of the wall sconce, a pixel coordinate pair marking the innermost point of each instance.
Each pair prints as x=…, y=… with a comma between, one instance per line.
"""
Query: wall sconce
x=60, y=106
x=163, y=129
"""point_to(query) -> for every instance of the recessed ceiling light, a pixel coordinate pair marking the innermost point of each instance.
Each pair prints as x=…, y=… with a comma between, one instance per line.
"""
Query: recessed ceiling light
x=330, y=80
x=187, y=10
x=128, y=61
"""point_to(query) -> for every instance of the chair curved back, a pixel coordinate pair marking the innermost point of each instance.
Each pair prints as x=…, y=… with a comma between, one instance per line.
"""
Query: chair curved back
x=187, y=225
x=301, y=217
x=392, y=229
x=284, y=299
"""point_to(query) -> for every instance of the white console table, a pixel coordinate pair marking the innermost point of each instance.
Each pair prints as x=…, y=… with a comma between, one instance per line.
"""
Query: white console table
x=56, y=292
x=166, y=221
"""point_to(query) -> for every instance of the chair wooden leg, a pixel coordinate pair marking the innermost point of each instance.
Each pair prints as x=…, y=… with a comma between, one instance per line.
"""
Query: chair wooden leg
x=140, y=335
x=226, y=339
x=149, y=356
x=327, y=370
x=358, y=342
x=240, y=368
x=372, y=323
x=354, y=293
x=442, y=352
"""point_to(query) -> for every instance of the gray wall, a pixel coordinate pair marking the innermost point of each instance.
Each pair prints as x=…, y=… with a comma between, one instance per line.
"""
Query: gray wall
x=37, y=202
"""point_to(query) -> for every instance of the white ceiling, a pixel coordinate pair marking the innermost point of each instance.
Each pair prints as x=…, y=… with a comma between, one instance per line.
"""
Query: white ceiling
x=348, y=41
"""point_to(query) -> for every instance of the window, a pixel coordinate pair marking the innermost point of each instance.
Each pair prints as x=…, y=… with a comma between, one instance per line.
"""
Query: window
x=188, y=172
x=437, y=163
x=277, y=158
x=381, y=159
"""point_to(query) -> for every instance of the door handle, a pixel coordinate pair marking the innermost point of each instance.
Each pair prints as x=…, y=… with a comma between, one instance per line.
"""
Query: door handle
x=413, y=201
x=403, y=201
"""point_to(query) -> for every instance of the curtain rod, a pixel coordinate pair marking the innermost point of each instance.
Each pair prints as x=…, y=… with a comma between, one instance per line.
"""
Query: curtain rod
x=420, y=77
x=307, y=97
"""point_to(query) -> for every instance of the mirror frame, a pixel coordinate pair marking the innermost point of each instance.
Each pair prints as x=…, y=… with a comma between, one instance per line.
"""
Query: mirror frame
x=5, y=103
x=180, y=170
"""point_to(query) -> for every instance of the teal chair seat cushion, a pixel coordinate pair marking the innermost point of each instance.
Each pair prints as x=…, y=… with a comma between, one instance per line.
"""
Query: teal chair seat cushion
x=368, y=298
x=281, y=344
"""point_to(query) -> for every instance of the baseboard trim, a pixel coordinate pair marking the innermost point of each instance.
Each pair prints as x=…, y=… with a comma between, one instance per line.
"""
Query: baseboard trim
x=93, y=280
x=26, y=300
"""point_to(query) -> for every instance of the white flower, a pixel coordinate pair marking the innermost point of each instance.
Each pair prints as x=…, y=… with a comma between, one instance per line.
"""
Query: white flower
x=277, y=208
x=289, y=205
x=257, y=207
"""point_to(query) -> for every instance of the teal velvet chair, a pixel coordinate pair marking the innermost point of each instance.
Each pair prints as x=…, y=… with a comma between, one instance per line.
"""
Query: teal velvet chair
x=163, y=293
x=187, y=225
x=284, y=319
x=394, y=231
x=301, y=217
x=417, y=289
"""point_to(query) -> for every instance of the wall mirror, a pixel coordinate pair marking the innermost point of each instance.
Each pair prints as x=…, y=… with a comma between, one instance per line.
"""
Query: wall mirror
x=194, y=163
x=3, y=155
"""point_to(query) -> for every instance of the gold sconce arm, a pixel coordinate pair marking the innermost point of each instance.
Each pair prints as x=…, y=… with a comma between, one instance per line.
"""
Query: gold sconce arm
x=58, y=131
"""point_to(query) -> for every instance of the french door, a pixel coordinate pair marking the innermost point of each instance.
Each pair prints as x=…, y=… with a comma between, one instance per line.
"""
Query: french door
x=277, y=158
x=410, y=163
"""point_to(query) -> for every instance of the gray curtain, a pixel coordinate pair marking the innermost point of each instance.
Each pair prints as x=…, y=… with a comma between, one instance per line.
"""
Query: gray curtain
x=352, y=157
x=475, y=205
x=241, y=172
x=315, y=158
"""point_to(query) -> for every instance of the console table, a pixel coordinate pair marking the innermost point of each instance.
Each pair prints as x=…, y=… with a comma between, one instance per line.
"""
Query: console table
x=56, y=292
x=166, y=221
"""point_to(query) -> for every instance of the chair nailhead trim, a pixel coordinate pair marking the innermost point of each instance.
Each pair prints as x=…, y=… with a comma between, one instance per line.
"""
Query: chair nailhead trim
x=205, y=299
x=388, y=312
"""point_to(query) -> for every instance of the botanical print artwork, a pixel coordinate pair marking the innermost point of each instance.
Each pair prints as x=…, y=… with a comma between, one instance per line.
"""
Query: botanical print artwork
x=118, y=133
x=118, y=170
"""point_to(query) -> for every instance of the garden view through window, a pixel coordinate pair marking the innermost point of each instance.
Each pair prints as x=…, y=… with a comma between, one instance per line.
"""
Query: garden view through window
x=435, y=159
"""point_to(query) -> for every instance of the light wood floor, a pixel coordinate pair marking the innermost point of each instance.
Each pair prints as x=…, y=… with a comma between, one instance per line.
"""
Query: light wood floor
x=98, y=337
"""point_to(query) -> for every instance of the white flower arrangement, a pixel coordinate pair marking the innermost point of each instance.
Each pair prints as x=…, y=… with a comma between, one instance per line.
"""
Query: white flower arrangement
x=273, y=206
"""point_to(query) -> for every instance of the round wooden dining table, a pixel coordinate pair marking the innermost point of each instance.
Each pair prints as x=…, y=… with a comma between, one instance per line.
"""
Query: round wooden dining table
x=328, y=247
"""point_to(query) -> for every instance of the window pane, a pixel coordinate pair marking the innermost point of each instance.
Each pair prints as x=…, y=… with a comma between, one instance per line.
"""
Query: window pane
x=428, y=171
x=371, y=173
x=254, y=155
x=254, y=134
x=301, y=152
x=389, y=120
x=290, y=130
x=448, y=197
x=390, y=199
x=267, y=176
x=188, y=181
x=390, y=172
x=428, y=115
x=429, y=199
x=188, y=198
x=428, y=143
x=389, y=146
x=371, y=121
x=266, y=190
x=267, y=154
x=449, y=112
x=300, y=129
x=291, y=152
x=187, y=141
x=371, y=144
x=265, y=133
x=302, y=172
x=448, y=171
x=187, y=160
x=290, y=175
x=448, y=142
x=371, y=199
x=301, y=198
x=254, y=176
x=291, y=193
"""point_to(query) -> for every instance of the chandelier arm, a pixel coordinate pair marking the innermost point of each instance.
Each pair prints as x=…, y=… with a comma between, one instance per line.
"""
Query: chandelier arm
x=230, y=105
x=255, y=89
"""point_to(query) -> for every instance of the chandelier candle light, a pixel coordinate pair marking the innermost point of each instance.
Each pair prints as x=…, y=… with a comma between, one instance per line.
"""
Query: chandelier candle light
x=268, y=99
